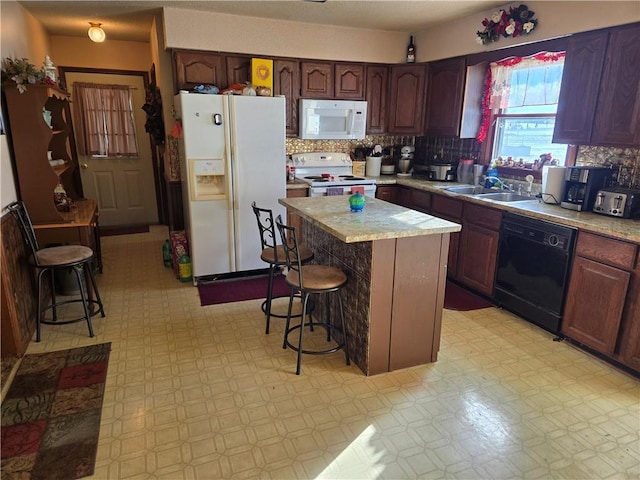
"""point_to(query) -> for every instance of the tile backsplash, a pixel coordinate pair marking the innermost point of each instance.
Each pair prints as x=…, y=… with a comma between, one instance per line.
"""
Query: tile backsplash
x=626, y=160
x=297, y=145
x=445, y=149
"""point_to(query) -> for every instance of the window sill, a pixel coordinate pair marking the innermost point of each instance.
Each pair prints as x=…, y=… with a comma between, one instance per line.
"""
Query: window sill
x=516, y=172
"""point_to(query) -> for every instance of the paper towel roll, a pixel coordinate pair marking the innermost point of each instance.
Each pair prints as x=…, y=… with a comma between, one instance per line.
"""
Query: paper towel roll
x=552, y=184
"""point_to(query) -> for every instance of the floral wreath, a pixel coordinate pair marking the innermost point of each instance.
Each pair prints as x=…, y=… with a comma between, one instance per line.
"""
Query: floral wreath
x=518, y=21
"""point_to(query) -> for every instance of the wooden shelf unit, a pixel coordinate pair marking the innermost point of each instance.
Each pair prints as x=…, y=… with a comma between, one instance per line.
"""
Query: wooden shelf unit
x=32, y=138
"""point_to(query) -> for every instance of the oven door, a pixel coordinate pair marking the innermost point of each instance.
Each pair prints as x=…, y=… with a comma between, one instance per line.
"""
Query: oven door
x=369, y=190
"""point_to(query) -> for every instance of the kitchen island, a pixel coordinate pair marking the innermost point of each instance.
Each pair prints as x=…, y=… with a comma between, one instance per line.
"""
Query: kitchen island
x=396, y=262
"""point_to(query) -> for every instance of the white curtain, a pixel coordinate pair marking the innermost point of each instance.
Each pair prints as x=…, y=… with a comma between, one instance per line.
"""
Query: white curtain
x=526, y=81
x=105, y=120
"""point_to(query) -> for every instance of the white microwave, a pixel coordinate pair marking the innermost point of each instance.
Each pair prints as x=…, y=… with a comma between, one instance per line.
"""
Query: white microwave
x=332, y=119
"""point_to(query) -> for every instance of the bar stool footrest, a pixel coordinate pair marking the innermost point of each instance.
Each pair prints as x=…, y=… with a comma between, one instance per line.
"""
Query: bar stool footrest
x=314, y=352
x=75, y=320
x=277, y=315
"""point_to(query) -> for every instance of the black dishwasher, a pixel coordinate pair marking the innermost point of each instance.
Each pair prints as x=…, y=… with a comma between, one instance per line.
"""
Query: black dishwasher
x=534, y=259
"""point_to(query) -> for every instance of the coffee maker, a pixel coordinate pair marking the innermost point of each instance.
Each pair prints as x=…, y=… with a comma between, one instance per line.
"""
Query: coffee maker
x=581, y=186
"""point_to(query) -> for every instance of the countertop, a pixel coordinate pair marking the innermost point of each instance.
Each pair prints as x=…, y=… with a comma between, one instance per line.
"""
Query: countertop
x=377, y=221
x=624, y=229
x=620, y=228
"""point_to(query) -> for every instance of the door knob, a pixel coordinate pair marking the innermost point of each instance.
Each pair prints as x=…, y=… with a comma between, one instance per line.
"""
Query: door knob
x=84, y=165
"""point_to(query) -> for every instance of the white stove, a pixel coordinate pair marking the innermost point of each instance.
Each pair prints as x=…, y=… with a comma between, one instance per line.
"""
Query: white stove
x=330, y=173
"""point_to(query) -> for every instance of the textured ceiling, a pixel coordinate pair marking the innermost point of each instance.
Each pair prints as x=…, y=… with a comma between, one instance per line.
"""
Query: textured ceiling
x=131, y=20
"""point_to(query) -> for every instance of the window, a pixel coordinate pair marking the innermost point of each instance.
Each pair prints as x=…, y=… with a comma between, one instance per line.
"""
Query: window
x=523, y=102
x=106, y=126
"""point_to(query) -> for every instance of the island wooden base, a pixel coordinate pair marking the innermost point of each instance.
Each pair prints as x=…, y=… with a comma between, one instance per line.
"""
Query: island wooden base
x=393, y=299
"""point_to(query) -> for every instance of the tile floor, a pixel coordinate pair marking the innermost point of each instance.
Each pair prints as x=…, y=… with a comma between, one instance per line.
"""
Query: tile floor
x=201, y=393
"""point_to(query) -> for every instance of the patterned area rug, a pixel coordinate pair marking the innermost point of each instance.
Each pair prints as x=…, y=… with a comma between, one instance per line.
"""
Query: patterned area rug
x=51, y=414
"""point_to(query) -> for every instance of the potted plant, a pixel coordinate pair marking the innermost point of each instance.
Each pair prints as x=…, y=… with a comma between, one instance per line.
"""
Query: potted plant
x=20, y=71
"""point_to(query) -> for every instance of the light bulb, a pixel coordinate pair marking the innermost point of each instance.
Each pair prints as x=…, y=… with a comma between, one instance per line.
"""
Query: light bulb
x=96, y=33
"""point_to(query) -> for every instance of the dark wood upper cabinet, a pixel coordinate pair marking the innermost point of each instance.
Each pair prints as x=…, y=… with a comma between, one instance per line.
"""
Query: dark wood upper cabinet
x=580, y=84
x=238, y=70
x=600, y=96
x=376, y=97
x=349, y=81
x=406, y=104
x=317, y=79
x=198, y=68
x=617, y=120
x=445, y=86
x=286, y=81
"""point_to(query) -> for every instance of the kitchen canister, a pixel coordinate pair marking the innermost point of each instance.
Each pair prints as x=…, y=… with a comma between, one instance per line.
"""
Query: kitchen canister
x=552, y=184
x=372, y=167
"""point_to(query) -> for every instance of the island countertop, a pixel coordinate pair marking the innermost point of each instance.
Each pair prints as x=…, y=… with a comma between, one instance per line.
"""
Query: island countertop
x=377, y=221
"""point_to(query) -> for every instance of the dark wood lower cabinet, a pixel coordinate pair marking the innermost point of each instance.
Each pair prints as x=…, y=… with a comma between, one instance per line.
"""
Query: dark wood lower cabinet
x=629, y=338
x=477, y=257
x=478, y=248
x=293, y=219
x=386, y=193
x=449, y=209
x=603, y=300
x=595, y=301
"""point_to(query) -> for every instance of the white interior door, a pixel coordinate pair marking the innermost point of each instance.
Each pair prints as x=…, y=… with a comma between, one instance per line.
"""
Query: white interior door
x=123, y=187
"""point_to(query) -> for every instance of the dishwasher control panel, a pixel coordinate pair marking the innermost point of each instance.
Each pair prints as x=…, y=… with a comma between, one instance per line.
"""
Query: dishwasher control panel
x=539, y=231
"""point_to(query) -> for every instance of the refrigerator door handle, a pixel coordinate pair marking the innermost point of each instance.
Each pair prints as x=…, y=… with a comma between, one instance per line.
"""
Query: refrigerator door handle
x=231, y=127
x=231, y=188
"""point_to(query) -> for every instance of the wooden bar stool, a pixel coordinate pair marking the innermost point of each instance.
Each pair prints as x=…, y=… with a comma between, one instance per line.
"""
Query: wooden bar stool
x=308, y=280
x=78, y=258
x=273, y=254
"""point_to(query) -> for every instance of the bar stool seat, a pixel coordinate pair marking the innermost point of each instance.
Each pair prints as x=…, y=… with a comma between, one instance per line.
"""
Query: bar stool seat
x=273, y=254
x=308, y=280
x=78, y=258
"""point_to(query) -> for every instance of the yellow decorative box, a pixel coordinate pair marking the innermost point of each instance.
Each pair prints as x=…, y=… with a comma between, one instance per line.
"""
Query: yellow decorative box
x=262, y=74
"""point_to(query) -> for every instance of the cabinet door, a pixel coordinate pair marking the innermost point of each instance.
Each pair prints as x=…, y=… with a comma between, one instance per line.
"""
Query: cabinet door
x=198, y=68
x=445, y=84
x=386, y=193
x=403, y=196
x=238, y=70
x=618, y=112
x=349, y=81
x=293, y=219
x=449, y=209
x=376, y=96
x=286, y=81
x=579, y=91
x=595, y=300
x=407, y=99
x=317, y=80
x=629, y=336
x=477, y=258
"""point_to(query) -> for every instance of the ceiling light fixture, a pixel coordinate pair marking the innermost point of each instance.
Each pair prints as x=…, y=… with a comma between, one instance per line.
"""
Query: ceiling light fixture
x=96, y=33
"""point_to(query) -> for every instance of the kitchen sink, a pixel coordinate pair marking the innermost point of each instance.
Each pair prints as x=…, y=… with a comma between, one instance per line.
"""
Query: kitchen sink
x=505, y=197
x=469, y=190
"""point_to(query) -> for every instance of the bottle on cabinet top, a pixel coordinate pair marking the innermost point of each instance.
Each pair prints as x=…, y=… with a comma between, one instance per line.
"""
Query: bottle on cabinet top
x=411, y=51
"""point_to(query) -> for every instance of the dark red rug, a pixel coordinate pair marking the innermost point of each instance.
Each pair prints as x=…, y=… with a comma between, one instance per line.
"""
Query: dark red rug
x=238, y=290
x=51, y=414
x=458, y=298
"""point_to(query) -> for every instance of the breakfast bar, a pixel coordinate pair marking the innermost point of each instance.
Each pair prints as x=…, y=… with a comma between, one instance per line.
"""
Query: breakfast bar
x=396, y=262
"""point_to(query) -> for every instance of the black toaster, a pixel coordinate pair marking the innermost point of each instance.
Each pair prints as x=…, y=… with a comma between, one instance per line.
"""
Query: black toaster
x=618, y=202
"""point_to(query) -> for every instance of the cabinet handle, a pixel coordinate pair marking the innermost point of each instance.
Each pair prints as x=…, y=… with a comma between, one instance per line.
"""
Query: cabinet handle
x=84, y=165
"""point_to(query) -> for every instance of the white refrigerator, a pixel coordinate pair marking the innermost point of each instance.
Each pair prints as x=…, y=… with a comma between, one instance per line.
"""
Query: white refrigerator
x=232, y=153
